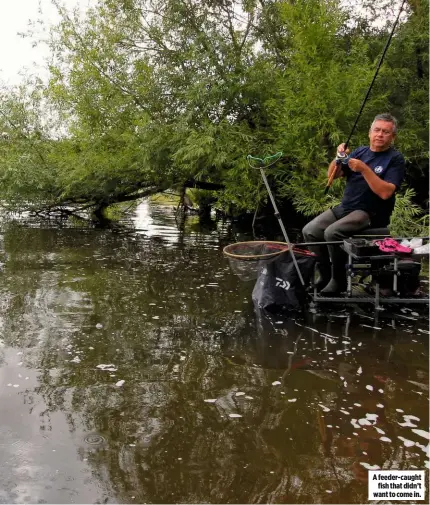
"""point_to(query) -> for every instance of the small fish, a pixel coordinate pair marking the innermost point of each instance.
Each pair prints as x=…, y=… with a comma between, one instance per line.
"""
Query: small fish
x=424, y=387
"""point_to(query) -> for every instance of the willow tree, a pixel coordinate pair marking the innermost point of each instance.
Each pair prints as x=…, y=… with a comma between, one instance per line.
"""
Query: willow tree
x=148, y=94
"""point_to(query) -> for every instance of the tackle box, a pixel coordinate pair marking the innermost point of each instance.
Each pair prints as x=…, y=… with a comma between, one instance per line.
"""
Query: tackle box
x=361, y=247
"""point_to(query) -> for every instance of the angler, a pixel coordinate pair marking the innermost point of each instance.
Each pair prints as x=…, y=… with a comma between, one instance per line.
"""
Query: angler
x=374, y=173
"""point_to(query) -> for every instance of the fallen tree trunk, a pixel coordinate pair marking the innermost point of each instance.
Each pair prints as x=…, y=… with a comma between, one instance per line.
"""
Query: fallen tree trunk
x=191, y=183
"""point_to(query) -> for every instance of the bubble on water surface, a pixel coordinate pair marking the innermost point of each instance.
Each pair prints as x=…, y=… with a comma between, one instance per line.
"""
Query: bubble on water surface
x=94, y=439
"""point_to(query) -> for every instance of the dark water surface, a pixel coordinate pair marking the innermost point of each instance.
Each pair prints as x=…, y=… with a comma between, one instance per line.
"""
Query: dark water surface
x=135, y=369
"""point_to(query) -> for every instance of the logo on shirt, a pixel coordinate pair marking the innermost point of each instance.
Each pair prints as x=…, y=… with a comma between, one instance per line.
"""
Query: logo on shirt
x=378, y=169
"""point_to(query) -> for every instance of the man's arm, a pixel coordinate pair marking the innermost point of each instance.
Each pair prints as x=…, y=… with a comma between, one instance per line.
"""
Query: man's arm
x=381, y=188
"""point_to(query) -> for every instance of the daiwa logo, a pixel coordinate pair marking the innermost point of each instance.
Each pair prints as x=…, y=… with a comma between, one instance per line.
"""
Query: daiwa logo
x=280, y=283
x=378, y=169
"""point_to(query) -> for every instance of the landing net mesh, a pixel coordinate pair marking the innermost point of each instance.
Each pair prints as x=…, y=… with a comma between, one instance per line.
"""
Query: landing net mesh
x=247, y=258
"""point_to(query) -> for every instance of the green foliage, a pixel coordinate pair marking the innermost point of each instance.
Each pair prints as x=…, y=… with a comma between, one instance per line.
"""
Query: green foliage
x=408, y=219
x=306, y=191
x=149, y=93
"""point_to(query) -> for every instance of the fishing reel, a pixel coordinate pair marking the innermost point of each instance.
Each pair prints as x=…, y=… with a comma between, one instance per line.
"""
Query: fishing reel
x=342, y=157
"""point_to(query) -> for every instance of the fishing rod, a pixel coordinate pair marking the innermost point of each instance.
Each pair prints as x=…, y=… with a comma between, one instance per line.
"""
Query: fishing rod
x=342, y=157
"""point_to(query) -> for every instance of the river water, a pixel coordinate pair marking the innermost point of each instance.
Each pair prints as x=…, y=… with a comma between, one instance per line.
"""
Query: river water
x=134, y=368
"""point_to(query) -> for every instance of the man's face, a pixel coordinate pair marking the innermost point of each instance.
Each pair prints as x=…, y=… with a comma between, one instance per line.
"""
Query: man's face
x=381, y=135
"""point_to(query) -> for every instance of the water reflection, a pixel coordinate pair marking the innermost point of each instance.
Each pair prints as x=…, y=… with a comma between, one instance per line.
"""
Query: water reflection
x=111, y=343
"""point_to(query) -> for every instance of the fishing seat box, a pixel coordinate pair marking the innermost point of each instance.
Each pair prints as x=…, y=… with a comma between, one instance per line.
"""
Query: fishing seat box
x=361, y=247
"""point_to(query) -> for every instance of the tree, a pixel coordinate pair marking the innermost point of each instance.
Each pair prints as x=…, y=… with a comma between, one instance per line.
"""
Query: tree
x=148, y=94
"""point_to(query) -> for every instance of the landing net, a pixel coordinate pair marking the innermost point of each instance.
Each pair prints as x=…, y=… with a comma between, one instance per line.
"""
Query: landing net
x=247, y=258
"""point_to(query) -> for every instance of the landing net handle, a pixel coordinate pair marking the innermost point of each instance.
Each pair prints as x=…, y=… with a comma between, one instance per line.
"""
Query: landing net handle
x=261, y=164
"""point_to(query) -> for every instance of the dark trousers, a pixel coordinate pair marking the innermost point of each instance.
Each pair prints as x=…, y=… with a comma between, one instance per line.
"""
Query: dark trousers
x=326, y=227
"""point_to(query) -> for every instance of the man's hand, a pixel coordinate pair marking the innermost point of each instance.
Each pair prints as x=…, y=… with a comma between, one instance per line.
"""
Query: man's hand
x=341, y=149
x=357, y=165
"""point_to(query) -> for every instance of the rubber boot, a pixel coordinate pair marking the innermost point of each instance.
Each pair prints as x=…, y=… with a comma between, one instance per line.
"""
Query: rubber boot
x=334, y=287
x=338, y=282
x=324, y=270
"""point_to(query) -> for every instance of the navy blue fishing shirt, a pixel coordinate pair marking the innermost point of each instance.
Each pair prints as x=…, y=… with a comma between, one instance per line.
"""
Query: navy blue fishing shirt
x=390, y=167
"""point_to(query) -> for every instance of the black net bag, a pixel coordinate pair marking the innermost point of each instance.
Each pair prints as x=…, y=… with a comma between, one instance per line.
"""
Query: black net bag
x=248, y=258
x=278, y=286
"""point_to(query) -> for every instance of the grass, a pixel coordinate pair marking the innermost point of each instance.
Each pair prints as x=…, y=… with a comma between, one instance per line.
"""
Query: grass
x=165, y=199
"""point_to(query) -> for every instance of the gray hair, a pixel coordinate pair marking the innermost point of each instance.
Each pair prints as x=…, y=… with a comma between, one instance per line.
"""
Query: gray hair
x=386, y=117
